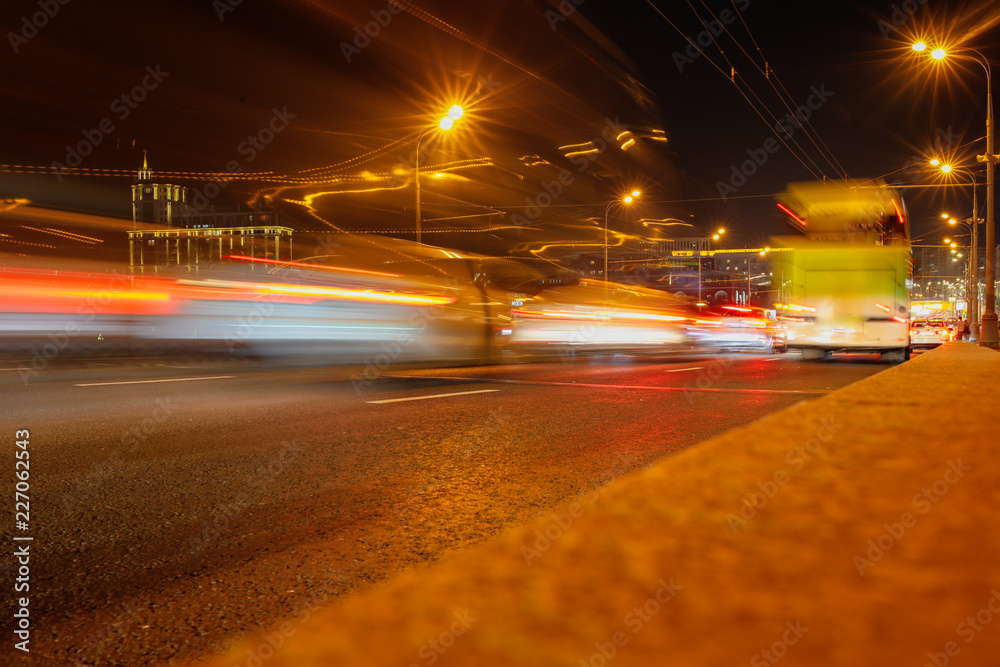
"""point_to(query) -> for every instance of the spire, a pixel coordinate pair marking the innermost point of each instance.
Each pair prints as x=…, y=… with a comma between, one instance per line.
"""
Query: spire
x=145, y=174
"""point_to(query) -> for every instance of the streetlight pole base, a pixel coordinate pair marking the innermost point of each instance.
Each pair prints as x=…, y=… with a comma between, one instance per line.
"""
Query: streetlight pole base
x=988, y=333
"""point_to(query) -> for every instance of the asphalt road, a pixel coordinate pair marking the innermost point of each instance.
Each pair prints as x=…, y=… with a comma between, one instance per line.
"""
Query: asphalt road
x=176, y=505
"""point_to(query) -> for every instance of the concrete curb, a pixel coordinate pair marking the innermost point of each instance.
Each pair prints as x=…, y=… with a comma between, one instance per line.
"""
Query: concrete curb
x=860, y=528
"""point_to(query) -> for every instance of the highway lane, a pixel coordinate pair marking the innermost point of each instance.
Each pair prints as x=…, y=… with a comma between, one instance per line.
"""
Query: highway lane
x=179, y=504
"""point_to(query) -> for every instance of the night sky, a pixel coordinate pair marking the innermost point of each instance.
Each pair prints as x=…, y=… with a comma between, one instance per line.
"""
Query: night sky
x=320, y=120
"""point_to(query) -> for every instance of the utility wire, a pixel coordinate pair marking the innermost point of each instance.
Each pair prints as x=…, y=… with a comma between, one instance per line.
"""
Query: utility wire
x=768, y=73
x=732, y=78
x=728, y=76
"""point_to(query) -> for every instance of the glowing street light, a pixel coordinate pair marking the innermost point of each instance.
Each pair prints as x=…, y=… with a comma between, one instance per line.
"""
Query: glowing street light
x=454, y=114
x=627, y=199
x=715, y=237
x=444, y=124
x=988, y=336
x=972, y=276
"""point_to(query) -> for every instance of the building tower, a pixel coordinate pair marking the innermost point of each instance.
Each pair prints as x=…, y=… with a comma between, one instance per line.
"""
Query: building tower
x=156, y=203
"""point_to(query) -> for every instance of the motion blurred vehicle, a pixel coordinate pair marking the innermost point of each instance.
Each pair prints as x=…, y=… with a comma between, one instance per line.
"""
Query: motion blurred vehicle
x=741, y=328
x=369, y=301
x=934, y=310
x=848, y=273
x=593, y=317
x=928, y=333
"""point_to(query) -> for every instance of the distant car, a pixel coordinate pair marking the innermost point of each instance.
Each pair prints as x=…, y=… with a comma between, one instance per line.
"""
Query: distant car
x=601, y=318
x=742, y=328
x=954, y=329
x=928, y=333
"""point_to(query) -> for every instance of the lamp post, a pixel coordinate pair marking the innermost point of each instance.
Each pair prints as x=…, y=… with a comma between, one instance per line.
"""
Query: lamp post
x=972, y=275
x=715, y=237
x=763, y=253
x=973, y=225
x=627, y=199
x=445, y=124
x=968, y=267
x=988, y=332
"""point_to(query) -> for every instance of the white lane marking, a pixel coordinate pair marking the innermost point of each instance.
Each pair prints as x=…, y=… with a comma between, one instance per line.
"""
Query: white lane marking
x=722, y=390
x=678, y=370
x=420, y=398
x=104, y=384
x=774, y=359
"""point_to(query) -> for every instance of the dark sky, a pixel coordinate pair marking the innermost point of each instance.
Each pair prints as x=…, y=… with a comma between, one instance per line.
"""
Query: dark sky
x=887, y=109
x=344, y=109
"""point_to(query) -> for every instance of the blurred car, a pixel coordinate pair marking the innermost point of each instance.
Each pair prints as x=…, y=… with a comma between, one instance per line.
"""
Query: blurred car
x=365, y=301
x=593, y=317
x=741, y=328
x=954, y=327
x=928, y=333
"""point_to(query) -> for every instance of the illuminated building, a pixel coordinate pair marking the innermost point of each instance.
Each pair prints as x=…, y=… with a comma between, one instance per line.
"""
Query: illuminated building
x=173, y=206
x=156, y=203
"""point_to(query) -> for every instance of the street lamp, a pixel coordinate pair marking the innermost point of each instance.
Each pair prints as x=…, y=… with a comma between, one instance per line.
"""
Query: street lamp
x=444, y=124
x=972, y=223
x=988, y=334
x=715, y=237
x=627, y=199
x=972, y=273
